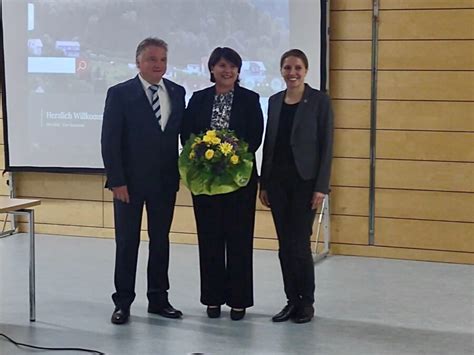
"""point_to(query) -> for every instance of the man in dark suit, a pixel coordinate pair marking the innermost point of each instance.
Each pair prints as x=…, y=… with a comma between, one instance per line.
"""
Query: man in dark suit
x=142, y=118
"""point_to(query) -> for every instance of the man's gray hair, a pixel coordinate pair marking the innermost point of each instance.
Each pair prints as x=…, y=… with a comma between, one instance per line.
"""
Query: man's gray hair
x=148, y=42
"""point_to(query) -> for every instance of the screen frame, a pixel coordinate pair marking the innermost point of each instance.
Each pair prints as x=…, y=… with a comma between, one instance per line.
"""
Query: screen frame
x=324, y=58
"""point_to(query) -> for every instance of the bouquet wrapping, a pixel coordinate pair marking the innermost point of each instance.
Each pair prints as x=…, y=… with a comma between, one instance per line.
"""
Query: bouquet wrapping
x=215, y=162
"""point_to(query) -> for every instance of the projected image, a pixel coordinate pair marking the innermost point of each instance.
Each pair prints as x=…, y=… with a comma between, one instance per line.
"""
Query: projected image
x=85, y=47
x=69, y=52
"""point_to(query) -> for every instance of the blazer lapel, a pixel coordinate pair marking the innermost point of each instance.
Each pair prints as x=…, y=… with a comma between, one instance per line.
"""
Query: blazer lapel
x=237, y=107
x=204, y=115
x=301, y=111
x=170, y=89
x=138, y=95
x=273, y=119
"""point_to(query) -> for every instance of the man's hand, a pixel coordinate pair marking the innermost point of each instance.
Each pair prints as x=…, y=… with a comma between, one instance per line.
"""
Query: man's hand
x=263, y=196
x=316, y=200
x=121, y=193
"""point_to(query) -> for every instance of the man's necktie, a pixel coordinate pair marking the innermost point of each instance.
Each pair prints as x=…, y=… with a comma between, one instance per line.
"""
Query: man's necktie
x=155, y=101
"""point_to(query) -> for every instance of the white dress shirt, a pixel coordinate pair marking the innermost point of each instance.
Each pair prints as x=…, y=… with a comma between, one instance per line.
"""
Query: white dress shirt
x=165, y=104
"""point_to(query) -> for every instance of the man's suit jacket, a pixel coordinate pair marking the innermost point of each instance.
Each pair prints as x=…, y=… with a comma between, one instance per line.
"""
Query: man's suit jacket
x=136, y=152
x=311, y=137
x=246, y=117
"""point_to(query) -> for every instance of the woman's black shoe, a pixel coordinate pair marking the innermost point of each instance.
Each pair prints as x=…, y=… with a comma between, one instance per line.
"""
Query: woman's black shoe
x=237, y=314
x=213, y=312
x=286, y=313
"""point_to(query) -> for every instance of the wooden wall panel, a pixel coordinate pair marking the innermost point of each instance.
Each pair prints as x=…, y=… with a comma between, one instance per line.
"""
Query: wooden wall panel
x=264, y=226
x=418, y=55
x=183, y=198
x=422, y=175
x=426, y=24
x=183, y=238
x=68, y=230
x=418, y=145
x=107, y=194
x=428, y=205
x=425, y=234
x=63, y=186
x=349, y=230
x=351, y=25
x=4, y=188
x=421, y=115
x=350, y=84
x=350, y=4
x=425, y=85
x=428, y=4
x=350, y=55
x=403, y=253
x=268, y=244
x=350, y=172
x=350, y=92
x=351, y=143
x=183, y=221
x=108, y=210
x=350, y=201
x=351, y=113
x=344, y=229
x=69, y=212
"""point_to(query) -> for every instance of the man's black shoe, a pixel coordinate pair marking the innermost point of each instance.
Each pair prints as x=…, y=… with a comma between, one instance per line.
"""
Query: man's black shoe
x=120, y=316
x=167, y=311
x=303, y=314
x=286, y=313
x=213, y=312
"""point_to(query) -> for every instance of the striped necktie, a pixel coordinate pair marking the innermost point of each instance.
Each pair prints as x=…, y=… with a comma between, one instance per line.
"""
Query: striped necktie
x=155, y=101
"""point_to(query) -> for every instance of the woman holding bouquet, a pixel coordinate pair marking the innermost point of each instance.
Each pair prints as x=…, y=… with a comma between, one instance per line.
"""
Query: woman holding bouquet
x=225, y=222
x=296, y=167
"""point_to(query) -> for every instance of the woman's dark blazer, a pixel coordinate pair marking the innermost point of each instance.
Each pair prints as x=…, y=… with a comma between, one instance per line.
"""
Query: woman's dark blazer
x=311, y=137
x=246, y=117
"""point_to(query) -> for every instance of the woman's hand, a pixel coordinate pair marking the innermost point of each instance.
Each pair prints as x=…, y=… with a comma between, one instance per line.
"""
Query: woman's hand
x=263, y=196
x=317, y=199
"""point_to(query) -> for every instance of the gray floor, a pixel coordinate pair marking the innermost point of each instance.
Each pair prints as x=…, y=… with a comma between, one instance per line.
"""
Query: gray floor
x=364, y=305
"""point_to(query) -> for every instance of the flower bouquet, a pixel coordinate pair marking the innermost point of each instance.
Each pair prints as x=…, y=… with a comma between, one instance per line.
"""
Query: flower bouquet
x=215, y=162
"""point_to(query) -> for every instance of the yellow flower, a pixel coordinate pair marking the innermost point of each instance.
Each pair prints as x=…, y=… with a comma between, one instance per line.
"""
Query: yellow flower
x=207, y=138
x=234, y=159
x=215, y=140
x=197, y=140
x=209, y=154
x=192, y=155
x=211, y=133
x=225, y=148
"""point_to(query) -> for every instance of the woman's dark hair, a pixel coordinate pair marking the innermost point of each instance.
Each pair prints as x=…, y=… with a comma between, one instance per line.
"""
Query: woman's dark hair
x=224, y=53
x=298, y=53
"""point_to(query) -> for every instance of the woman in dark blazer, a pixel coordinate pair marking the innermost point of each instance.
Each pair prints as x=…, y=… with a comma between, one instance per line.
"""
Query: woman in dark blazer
x=296, y=166
x=225, y=223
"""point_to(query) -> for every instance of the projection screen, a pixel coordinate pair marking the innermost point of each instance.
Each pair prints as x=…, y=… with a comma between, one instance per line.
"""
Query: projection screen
x=60, y=56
